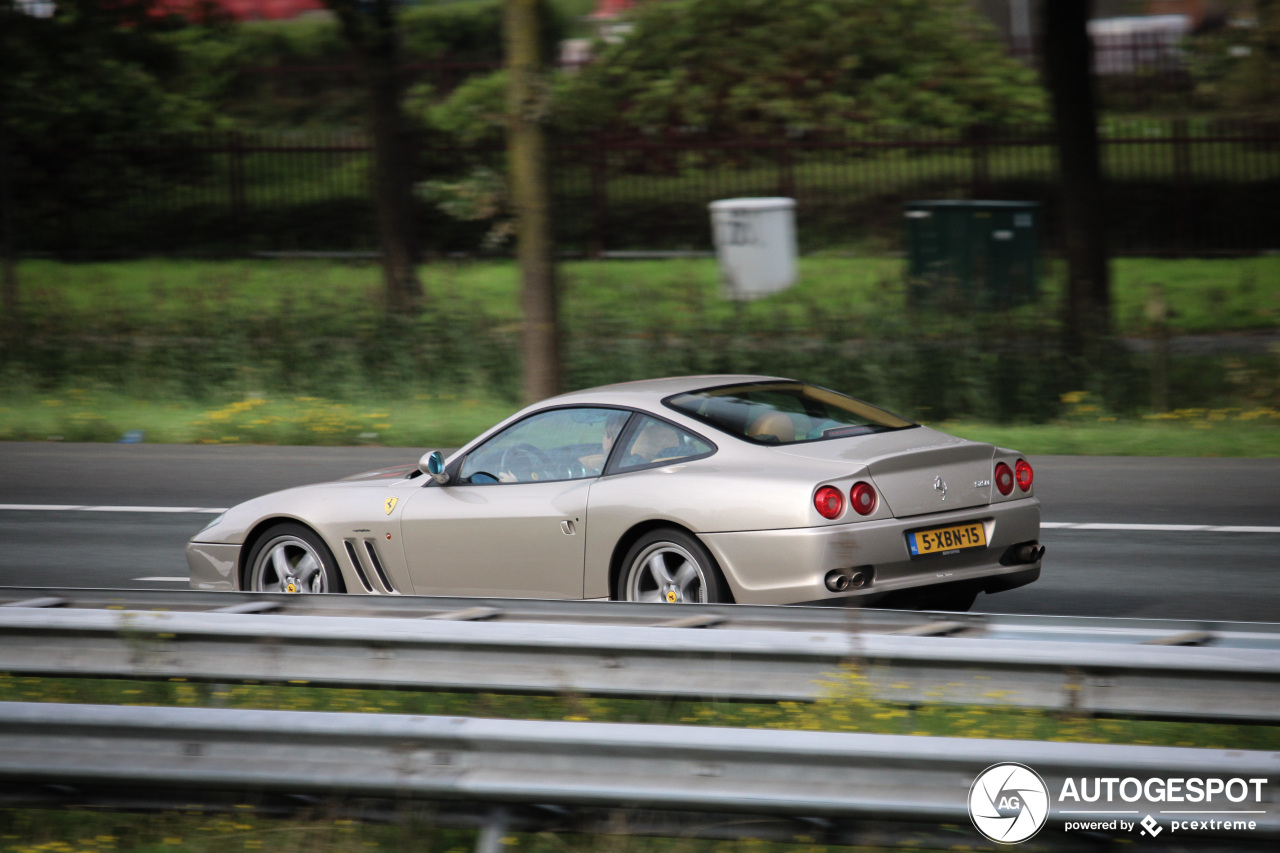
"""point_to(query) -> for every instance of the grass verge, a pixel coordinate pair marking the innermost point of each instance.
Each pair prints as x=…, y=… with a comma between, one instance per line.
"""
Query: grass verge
x=450, y=420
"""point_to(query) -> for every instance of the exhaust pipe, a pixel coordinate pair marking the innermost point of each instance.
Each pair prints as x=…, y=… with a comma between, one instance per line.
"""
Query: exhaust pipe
x=1027, y=552
x=843, y=580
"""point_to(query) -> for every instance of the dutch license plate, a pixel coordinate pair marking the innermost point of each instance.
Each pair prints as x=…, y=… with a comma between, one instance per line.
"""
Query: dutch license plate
x=946, y=540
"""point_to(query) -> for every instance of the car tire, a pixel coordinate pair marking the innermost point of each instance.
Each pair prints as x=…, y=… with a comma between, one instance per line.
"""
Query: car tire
x=290, y=557
x=671, y=566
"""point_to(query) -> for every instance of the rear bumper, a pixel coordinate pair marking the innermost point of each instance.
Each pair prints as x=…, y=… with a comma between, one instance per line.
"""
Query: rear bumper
x=789, y=566
x=213, y=566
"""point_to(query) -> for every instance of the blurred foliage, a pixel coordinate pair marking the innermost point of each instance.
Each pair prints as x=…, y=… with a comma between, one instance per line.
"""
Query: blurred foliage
x=1237, y=66
x=764, y=67
x=101, y=75
x=93, y=70
x=303, y=74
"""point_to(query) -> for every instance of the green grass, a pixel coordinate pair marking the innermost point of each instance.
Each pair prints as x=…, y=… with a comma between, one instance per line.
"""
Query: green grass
x=301, y=351
x=1204, y=295
x=846, y=706
x=449, y=421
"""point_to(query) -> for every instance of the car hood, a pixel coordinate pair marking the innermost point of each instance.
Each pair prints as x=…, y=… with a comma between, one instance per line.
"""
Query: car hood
x=916, y=470
x=396, y=472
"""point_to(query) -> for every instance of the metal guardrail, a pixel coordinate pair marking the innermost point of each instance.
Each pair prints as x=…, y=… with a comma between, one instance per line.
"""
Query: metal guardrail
x=820, y=775
x=1020, y=663
x=1253, y=635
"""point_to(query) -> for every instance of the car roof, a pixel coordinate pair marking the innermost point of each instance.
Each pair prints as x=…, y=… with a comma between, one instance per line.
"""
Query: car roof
x=650, y=392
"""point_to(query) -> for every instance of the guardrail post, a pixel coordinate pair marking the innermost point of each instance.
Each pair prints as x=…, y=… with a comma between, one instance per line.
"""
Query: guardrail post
x=495, y=826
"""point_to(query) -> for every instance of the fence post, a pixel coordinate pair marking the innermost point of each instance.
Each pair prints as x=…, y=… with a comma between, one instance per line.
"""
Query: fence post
x=599, y=198
x=235, y=176
x=7, y=243
x=979, y=148
x=1181, y=151
x=786, y=172
x=1182, y=177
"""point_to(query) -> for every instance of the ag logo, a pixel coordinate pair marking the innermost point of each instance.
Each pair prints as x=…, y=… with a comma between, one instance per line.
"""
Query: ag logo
x=390, y=504
x=1008, y=803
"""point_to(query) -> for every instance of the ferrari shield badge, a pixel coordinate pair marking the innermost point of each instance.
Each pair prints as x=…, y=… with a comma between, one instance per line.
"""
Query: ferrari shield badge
x=390, y=504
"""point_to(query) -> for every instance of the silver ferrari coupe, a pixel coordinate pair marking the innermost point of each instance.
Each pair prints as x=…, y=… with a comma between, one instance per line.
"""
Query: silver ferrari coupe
x=748, y=489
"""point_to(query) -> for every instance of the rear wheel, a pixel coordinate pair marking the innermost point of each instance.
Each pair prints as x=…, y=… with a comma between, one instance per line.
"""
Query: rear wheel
x=289, y=557
x=671, y=566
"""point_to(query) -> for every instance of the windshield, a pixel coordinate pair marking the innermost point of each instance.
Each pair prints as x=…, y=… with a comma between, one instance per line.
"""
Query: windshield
x=784, y=412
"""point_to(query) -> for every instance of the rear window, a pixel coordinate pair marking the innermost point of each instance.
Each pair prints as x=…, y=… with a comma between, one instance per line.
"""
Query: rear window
x=784, y=412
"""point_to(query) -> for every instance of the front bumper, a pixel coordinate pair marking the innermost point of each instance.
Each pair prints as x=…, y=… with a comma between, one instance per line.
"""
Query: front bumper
x=789, y=566
x=214, y=566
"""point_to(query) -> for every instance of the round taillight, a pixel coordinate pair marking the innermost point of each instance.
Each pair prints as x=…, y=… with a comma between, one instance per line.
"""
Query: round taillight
x=863, y=498
x=1004, y=478
x=828, y=502
x=1024, y=474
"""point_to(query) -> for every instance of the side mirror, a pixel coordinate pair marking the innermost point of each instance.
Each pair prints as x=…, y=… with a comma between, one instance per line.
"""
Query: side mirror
x=432, y=464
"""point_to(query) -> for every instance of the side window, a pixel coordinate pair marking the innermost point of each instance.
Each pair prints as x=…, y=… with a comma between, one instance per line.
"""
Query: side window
x=655, y=442
x=562, y=444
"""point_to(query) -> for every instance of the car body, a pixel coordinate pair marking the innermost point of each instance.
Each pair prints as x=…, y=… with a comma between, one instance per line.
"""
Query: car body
x=752, y=489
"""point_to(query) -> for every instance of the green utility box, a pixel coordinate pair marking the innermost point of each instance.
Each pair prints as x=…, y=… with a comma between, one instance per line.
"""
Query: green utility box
x=981, y=252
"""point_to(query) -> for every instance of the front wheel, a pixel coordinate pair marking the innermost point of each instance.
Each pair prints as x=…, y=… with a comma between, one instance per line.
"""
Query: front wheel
x=671, y=566
x=289, y=557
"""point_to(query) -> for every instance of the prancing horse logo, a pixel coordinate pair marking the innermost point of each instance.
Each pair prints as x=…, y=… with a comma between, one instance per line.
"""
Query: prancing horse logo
x=941, y=485
x=391, y=504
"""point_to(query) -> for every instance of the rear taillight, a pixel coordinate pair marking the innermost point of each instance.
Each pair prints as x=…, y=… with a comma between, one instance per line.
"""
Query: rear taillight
x=863, y=498
x=1004, y=478
x=828, y=502
x=1025, y=475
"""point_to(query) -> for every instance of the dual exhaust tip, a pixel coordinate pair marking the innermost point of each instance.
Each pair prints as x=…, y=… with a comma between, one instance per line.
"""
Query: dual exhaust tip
x=1028, y=552
x=843, y=580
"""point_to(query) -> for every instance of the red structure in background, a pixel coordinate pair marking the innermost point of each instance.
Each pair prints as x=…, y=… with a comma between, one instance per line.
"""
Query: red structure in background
x=606, y=9
x=242, y=10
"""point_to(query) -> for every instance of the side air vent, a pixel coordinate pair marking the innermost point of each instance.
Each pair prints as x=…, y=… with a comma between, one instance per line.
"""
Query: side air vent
x=355, y=562
x=372, y=550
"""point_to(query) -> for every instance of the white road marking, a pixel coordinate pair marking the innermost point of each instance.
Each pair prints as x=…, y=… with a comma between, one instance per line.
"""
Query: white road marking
x=1045, y=525
x=211, y=510
x=164, y=580
x=1158, y=528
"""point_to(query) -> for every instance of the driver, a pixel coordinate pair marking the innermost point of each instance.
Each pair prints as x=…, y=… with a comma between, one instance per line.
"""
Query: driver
x=593, y=463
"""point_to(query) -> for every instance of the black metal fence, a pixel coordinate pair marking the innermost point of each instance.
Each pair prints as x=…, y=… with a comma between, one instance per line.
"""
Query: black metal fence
x=1175, y=187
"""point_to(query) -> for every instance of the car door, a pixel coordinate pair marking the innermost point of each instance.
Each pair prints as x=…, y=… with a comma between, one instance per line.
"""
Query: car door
x=512, y=521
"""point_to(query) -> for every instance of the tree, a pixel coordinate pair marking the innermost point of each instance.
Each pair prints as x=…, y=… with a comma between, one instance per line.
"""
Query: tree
x=527, y=107
x=761, y=67
x=370, y=27
x=1068, y=60
x=89, y=72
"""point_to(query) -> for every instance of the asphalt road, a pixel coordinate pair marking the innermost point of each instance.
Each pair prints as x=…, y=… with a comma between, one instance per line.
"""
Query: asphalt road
x=1138, y=570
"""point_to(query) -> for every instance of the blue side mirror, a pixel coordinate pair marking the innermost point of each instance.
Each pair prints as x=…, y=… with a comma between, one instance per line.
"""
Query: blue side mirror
x=432, y=464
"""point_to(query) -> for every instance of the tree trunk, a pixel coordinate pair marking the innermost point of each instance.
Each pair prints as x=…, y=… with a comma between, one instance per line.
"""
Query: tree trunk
x=1068, y=59
x=530, y=194
x=370, y=28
